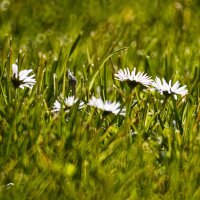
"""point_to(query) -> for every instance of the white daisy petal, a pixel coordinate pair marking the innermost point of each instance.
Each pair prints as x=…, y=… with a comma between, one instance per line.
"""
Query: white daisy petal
x=24, y=73
x=136, y=78
x=56, y=106
x=68, y=103
x=15, y=70
x=22, y=79
x=112, y=107
x=167, y=88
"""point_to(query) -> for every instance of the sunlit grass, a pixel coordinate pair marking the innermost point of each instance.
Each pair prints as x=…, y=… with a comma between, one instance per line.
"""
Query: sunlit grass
x=72, y=150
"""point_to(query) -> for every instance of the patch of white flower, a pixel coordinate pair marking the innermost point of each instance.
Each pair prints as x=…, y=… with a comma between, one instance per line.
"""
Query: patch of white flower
x=168, y=88
x=133, y=78
x=107, y=106
x=67, y=104
x=23, y=78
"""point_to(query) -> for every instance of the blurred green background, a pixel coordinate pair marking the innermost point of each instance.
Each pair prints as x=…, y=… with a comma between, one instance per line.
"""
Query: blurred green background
x=41, y=23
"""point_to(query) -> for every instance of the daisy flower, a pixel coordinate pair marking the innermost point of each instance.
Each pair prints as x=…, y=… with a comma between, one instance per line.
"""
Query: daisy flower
x=132, y=78
x=168, y=89
x=107, y=106
x=67, y=104
x=22, y=79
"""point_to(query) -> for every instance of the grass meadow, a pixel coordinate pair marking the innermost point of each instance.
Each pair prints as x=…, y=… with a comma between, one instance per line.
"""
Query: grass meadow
x=150, y=152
